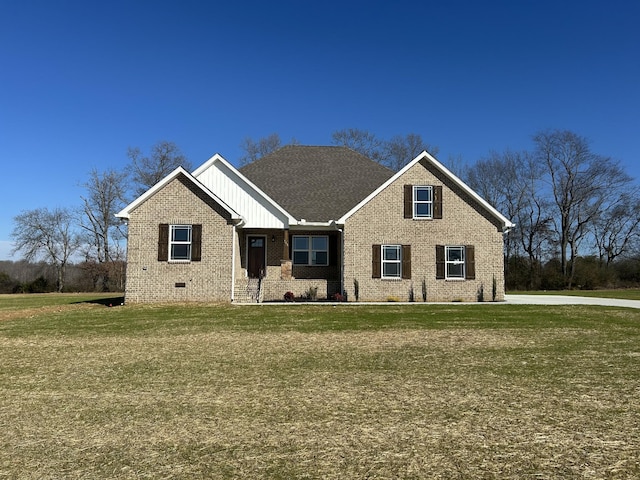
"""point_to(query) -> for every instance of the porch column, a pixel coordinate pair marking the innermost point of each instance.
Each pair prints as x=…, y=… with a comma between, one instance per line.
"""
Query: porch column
x=286, y=269
x=285, y=245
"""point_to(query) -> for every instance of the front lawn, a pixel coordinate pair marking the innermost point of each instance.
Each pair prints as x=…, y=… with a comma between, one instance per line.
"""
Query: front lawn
x=321, y=391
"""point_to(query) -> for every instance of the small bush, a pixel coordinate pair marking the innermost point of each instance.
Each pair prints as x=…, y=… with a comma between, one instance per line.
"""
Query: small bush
x=289, y=297
x=494, y=289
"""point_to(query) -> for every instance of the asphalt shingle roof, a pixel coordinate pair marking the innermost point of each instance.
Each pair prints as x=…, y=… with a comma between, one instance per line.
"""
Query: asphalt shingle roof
x=317, y=184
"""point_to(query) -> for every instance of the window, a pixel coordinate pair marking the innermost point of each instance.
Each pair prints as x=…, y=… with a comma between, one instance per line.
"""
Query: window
x=391, y=261
x=422, y=202
x=455, y=262
x=310, y=250
x=179, y=243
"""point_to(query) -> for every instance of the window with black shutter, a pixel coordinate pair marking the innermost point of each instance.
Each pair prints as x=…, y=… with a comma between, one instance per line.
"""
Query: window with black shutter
x=455, y=262
x=391, y=261
x=423, y=201
x=163, y=242
x=179, y=243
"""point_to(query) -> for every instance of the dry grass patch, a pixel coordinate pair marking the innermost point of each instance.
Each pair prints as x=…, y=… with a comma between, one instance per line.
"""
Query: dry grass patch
x=518, y=401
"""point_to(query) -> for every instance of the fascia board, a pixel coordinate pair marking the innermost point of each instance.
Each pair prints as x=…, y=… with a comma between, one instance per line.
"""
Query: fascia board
x=219, y=158
x=426, y=155
x=124, y=213
x=506, y=223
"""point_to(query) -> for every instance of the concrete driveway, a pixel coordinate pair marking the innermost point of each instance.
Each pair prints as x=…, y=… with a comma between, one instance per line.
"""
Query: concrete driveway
x=569, y=300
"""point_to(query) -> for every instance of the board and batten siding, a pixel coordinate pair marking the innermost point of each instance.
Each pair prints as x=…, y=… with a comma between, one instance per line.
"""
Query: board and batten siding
x=232, y=189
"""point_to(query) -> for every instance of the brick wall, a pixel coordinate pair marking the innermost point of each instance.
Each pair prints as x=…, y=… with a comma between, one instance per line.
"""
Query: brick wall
x=464, y=222
x=149, y=280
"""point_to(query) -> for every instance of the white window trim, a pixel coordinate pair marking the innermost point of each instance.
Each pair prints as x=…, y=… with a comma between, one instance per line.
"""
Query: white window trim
x=310, y=251
x=383, y=261
x=172, y=242
x=417, y=202
x=448, y=262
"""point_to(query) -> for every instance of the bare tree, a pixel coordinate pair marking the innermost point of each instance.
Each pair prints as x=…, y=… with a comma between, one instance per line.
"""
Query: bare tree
x=255, y=149
x=146, y=171
x=46, y=235
x=103, y=231
x=579, y=181
x=616, y=230
x=362, y=141
x=400, y=150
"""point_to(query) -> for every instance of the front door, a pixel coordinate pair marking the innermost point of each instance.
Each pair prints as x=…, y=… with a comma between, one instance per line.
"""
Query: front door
x=256, y=249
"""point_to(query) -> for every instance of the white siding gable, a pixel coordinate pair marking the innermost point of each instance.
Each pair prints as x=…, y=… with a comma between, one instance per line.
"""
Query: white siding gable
x=257, y=209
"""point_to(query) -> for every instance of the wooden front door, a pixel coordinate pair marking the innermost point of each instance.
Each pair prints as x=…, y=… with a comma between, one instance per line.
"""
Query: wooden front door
x=256, y=249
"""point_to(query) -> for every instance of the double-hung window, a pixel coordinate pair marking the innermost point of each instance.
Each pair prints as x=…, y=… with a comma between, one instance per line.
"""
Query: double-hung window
x=180, y=242
x=455, y=262
x=391, y=261
x=310, y=250
x=422, y=201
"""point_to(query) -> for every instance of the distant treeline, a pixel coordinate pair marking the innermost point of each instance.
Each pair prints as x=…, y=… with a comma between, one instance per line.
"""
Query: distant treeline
x=26, y=277
x=590, y=273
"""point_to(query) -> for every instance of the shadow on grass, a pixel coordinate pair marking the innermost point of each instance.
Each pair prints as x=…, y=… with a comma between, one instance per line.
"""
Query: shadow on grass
x=107, y=302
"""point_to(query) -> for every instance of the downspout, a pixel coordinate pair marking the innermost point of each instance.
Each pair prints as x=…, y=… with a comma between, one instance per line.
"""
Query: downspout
x=342, y=290
x=233, y=263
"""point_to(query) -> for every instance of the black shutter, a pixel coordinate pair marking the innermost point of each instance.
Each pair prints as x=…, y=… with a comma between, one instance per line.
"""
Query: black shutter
x=163, y=242
x=196, y=243
x=469, y=262
x=408, y=201
x=437, y=201
x=375, y=261
x=440, y=261
x=406, y=262
x=333, y=250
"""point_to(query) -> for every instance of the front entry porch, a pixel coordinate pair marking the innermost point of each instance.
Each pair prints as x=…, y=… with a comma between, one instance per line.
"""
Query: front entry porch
x=274, y=262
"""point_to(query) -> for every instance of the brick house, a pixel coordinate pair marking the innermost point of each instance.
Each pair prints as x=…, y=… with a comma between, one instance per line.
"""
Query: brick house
x=314, y=221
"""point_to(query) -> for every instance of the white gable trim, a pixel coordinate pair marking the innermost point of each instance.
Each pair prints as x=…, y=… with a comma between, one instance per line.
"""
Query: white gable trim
x=267, y=202
x=125, y=212
x=506, y=223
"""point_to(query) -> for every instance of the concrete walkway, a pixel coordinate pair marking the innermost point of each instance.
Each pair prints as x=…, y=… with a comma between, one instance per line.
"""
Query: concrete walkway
x=569, y=300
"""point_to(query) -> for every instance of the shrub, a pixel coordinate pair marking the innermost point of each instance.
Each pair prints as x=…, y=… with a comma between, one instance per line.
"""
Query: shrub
x=289, y=297
x=494, y=289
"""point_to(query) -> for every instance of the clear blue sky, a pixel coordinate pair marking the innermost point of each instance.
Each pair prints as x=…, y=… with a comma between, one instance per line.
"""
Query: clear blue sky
x=80, y=81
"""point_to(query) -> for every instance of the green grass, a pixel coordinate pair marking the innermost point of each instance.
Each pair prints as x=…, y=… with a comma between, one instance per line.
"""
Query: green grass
x=296, y=391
